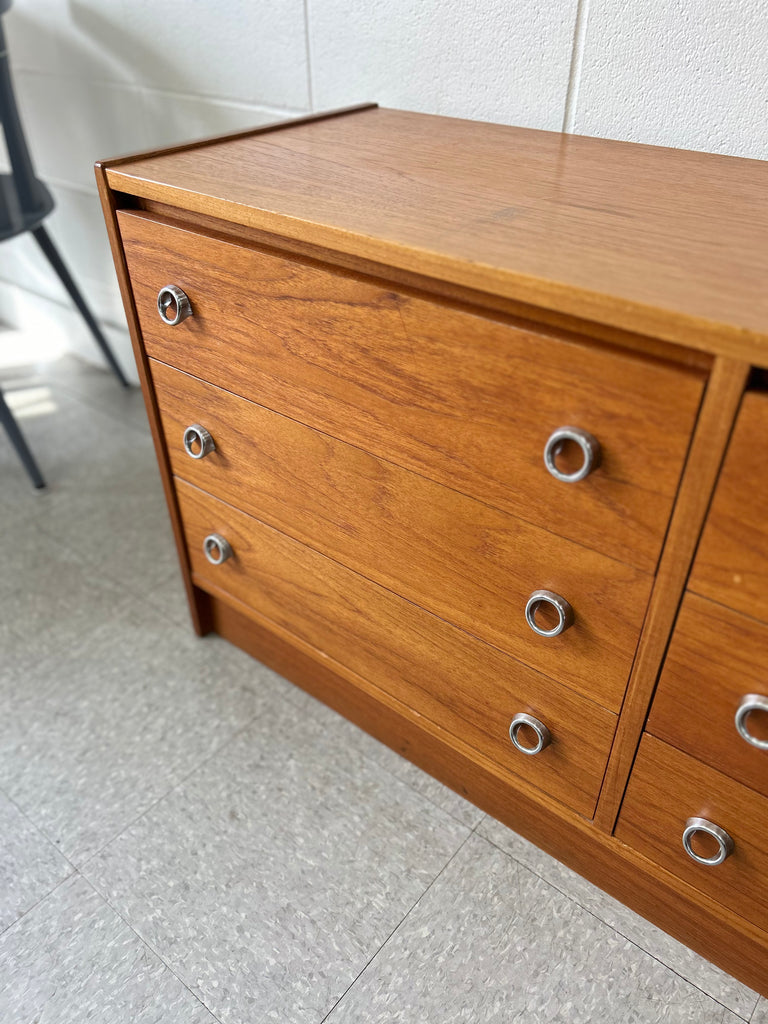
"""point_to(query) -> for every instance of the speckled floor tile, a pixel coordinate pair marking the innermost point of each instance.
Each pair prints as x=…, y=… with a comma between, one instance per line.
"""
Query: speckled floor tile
x=92, y=737
x=66, y=435
x=271, y=877
x=113, y=516
x=30, y=866
x=50, y=601
x=98, y=387
x=103, y=500
x=71, y=960
x=427, y=786
x=492, y=942
x=273, y=873
x=168, y=595
x=679, y=958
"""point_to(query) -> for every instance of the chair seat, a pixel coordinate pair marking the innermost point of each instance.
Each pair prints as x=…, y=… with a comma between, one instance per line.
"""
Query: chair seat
x=15, y=219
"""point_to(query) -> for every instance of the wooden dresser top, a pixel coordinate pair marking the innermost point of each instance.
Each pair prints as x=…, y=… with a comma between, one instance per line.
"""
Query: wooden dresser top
x=663, y=242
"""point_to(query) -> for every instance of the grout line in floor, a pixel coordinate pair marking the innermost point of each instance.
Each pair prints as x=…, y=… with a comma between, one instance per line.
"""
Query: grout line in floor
x=300, y=692
x=618, y=931
x=103, y=410
x=423, y=796
x=400, y=923
x=172, y=789
x=37, y=903
x=150, y=947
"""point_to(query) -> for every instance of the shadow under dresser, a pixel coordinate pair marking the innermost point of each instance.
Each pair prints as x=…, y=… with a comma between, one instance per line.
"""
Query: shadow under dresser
x=461, y=428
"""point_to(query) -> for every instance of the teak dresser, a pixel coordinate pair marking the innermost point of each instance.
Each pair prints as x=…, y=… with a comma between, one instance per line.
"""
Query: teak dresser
x=462, y=428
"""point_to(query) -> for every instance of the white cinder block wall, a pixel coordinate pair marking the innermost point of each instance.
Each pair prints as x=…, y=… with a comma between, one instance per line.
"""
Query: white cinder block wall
x=96, y=78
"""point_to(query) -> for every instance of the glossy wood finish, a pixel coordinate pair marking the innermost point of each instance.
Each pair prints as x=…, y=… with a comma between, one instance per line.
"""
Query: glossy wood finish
x=103, y=167
x=716, y=657
x=663, y=242
x=721, y=400
x=666, y=788
x=110, y=203
x=469, y=689
x=467, y=400
x=641, y=269
x=523, y=313
x=732, y=561
x=109, y=208
x=471, y=564
x=731, y=942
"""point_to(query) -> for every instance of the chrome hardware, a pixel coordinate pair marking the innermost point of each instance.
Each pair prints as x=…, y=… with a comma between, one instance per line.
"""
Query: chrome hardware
x=542, y=732
x=216, y=548
x=749, y=703
x=589, y=445
x=198, y=442
x=561, y=606
x=721, y=837
x=173, y=298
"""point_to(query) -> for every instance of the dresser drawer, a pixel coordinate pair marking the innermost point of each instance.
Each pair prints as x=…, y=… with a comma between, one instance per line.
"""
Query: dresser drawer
x=665, y=790
x=732, y=561
x=718, y=659
x=468, y=688
x=464, y=399
x=465, y=561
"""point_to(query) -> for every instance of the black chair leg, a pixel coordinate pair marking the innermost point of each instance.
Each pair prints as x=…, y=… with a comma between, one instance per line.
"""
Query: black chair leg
x=18, y=442
x=45, y=243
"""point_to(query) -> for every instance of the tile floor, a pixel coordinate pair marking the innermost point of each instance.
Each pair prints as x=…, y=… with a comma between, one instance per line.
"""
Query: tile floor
x=184, y=836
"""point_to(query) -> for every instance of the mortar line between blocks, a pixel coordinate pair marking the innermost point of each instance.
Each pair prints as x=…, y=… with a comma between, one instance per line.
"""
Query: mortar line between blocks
x=577, y=58
x=308, y=46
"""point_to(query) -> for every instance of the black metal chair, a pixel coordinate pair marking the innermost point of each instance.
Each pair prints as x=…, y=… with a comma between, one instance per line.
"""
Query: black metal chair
x=25, y=202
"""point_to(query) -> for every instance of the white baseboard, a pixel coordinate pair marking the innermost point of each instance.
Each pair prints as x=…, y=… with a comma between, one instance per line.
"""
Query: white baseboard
x=54, y=329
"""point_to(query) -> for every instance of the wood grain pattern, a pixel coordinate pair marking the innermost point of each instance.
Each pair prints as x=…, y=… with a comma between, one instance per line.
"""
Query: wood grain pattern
x=112, y=163
x=476, y=225
x=715, y=658
x=732, y=561
x=662, y=242
x=708, y=927
x=109, y=209
x=464, y=399
x=721, y=400
x=471, y=564
x=666, y=788
x=524, y=314
x=468, y=688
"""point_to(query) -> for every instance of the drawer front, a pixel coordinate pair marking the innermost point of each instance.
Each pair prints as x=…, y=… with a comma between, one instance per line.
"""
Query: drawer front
x=667, y=788
x=732, y=561
x=463, y=399
x=468, y=688
x=460, y=559
x=717, y=659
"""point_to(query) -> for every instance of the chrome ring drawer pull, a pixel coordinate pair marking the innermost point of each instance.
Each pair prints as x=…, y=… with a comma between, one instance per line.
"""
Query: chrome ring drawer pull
x=749, y=703
x=721, y=837
x=198, y=442
x=590, y=448
x=561, y=606
x=173, y=305
x=216, y=548
x=544, y=737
